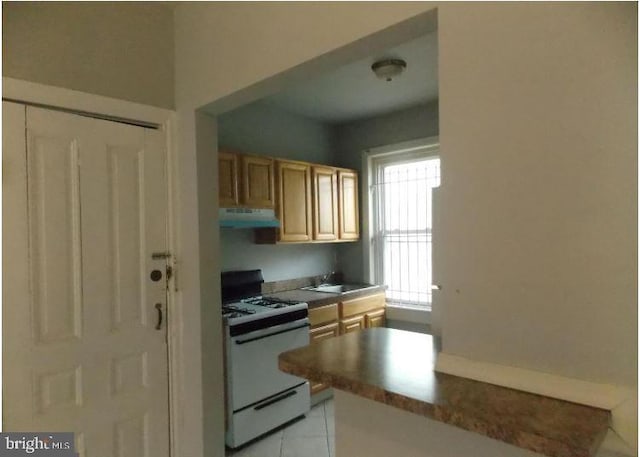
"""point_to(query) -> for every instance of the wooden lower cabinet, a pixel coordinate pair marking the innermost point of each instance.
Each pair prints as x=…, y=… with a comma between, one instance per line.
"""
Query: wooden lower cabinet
x=322, y=315
x=362, y=312
x=323, y=332
x=348, y=316
x=352, y=324
x=315, y=387
x=318, y=334
x=375, y=318
x=324, y=325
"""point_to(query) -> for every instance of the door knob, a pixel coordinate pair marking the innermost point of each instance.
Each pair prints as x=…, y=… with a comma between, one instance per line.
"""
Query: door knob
x=156, y=275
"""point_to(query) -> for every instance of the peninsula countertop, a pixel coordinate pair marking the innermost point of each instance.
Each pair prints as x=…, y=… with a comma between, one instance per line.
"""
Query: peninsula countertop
x=395, y=367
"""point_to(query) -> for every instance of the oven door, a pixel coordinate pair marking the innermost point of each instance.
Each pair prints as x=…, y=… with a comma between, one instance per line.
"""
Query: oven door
x=253, y=372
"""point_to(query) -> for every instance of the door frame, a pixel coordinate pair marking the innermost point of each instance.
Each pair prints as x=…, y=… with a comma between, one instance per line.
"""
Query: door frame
x=29, y=93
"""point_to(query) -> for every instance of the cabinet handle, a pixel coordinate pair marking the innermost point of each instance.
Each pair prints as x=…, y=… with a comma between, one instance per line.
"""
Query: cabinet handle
x=276, y=400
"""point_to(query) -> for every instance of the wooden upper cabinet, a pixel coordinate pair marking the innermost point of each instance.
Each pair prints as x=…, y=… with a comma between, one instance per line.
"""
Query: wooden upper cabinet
x=314, y=203
x=294, y=200
x=257, y=182
x=325, y=203
x=228, y=179
x=349, y=228
x=245, y=180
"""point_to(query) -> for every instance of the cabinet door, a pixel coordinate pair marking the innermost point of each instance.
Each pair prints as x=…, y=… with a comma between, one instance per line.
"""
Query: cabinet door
x=228, y=179
x=323, y=314
x=362, y=305
x=318, y=334
x=323, y=332
x=349, y=219
x=325, y=203
x=294, y=201
x=352, y=324
x=375, y=318
x=257, y=182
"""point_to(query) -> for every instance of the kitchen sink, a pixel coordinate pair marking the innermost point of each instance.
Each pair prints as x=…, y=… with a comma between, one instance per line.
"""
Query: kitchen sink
x=339, y=288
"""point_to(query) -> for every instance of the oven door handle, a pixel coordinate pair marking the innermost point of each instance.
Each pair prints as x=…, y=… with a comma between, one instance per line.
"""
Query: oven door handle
x=291, y=393
x=272, y=334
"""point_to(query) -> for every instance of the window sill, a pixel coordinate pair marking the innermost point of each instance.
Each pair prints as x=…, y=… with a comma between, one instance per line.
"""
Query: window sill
x=418, y=315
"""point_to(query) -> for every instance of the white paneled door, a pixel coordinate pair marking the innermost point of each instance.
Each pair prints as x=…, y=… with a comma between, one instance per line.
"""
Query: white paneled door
x=85, y=350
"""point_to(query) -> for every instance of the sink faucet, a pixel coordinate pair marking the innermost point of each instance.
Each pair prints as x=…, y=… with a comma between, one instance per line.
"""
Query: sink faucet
x=326, y=277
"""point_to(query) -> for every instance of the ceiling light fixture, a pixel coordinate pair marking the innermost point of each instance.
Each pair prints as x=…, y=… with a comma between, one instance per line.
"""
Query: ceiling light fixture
x=388, y=69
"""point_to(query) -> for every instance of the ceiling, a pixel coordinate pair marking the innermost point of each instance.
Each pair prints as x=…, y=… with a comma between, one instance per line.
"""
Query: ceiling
x=354, y=92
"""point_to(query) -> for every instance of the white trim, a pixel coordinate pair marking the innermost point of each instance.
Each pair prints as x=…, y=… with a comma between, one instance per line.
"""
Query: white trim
x=417, y=315
x=30, y=92
x=174, y=302
x=412, y=149
x=33, y=93
x=365, y=190
x=366, y=179
x=621, y=401
x=404, y=147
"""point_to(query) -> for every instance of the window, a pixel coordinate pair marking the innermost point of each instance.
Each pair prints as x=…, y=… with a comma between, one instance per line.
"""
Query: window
x=401, y=216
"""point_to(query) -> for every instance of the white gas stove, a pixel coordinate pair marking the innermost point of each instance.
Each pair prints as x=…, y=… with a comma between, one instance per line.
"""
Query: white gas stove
x=260, y=397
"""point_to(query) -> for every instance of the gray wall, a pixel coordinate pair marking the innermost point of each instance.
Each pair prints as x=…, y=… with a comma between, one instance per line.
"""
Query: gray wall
x=261, y=129
x=409, y=124
x=283, y=261
x=354, y=137
x=122, y=50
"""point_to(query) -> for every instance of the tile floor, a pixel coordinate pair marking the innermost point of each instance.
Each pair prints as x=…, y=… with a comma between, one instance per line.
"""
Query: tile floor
x=313, y=436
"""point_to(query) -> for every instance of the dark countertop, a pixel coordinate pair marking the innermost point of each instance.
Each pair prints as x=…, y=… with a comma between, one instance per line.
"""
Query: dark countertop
x=315, y=299
x=395, y=367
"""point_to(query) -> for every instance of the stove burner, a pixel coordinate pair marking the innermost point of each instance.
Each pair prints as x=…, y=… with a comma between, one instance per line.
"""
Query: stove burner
x=267, y=302
x=232, y=314
x=235, y=311
x=256, y=307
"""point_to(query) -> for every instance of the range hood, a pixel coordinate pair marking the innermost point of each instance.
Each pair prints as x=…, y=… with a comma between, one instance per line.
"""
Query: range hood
x=247, y=218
